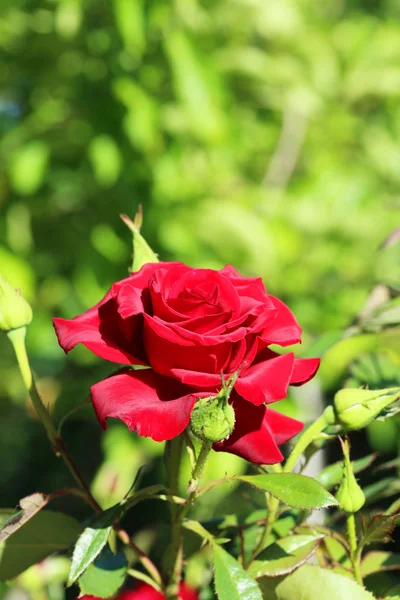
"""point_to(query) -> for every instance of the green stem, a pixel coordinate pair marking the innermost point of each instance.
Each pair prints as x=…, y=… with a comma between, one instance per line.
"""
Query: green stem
x=174, y=561
x=354, y=554
x=173, y=459
x=272, y=508
x=302, y=444
x=143, y=577
x=17, y=338
x=172, y=558
x=198, y=470
x=307, y=438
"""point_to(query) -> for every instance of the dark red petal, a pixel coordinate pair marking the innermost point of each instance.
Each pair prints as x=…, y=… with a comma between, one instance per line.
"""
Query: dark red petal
x=283, y=328
x=144, y=591
x=198, y=379
x=153, y=405
x=251, y=438
x=283, y=428
x=187, y=593
x=102, y=331
x=258, y=432
x=304, y=369
x=141, y=278
x=266, y=381
x=166, y=354
x=230, y=272
x=132, y=301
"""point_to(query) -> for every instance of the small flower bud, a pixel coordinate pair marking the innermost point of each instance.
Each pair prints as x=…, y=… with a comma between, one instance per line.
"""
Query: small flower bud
x=213, y=418
x=356, y=408
x=349, y=494
x=15, y=312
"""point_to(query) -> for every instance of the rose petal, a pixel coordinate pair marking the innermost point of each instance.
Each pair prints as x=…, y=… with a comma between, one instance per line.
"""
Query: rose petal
x=140, y=279
x=199, y=291
x=132, y=301
x=198, y=379
x=283, y=328
x=283, y=428
x=304, y=369
x=102, y=331
x=166, y=354
x=258, y=432
x=144, y=591
x=266, y=381
x=150, y=404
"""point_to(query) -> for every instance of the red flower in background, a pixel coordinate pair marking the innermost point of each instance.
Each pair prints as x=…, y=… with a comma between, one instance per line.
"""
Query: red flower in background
x=189, y=325
x=146, y=592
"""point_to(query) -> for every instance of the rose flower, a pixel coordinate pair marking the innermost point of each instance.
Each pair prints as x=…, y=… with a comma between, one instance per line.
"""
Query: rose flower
x=189, y=326
x=143, y=591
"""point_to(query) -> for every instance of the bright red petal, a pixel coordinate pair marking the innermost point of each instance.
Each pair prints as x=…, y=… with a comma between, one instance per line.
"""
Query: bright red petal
x=283, y=328
x=251, y=438
x=150, y=404
x=187, y=593
x=172, y=353
x=104, y=332
x=143, y=591
x=283, y=428
x=258, y=432
x=304, y=369
x=266, y=381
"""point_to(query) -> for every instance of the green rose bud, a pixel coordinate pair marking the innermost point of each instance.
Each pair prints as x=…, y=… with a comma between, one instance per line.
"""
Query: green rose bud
x=349, y=494
x=356, y=408
x=15, y=312
x=213, y=418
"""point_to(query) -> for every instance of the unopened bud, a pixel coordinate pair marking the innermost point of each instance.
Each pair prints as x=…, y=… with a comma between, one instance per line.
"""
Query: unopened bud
x=213, y=418
x=357, y=408
x=349, y=495
x=15, y=312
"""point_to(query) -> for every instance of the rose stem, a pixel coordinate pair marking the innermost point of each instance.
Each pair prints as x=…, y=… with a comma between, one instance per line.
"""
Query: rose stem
x=301, y=445
x=175, y=550
x=17, y=338
x=354, y=554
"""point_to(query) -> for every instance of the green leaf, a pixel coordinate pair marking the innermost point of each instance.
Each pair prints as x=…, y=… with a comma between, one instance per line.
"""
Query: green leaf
x=378, y=561
x=331, y=475
x=197, y=528
x=341, y=354
x=231, y=580
x=44, y=533
x=92, y=541
x=393, y=593
x=386, y=315
x=310, y=582
x=105, y=575
x=393, y=508
x=284, y=555
x=384, y=488
x=378, y=528
x=297, y=491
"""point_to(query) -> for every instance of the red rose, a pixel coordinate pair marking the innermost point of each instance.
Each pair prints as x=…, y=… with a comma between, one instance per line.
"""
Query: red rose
x=146, y=592
x=189, y=325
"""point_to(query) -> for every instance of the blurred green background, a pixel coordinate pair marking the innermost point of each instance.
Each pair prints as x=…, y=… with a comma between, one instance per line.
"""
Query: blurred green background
x=261, y=133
